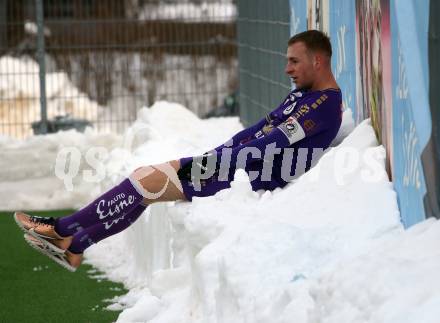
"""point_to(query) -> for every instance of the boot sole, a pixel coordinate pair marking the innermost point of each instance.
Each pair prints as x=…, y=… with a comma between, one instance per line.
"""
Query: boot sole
x=41, y=247
x=40, y=237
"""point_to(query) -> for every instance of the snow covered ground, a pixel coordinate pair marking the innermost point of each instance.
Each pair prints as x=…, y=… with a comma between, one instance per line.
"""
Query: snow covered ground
x=134, y=73
x=205, y=11
x=20, y=95
x=326, y=248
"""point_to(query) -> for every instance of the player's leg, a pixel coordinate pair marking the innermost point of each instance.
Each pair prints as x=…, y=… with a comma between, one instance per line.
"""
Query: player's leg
x=84, y=239
x=145, y=185
x=120, y=200
x=72, y=252
x=114, y=210
x=159, y=183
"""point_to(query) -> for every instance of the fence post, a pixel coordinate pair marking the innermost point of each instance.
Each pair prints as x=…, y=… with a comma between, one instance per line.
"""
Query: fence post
x=41, y=63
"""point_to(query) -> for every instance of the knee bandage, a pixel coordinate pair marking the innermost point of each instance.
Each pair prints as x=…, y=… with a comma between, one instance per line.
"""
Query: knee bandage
x=141, y=176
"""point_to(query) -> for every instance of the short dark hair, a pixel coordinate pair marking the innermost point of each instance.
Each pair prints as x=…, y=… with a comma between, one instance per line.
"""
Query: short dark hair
x=315, y=41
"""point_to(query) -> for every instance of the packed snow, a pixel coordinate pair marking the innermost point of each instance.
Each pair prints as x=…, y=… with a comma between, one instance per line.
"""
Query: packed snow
x=328, y=247
x=136, y=72
x=20, y=96
x=205, y=11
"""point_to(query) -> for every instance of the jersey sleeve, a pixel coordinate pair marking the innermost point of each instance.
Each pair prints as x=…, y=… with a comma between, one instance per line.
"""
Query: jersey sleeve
x=248, y=134
x=243, y=135
x=314, y=115
x=276, y=136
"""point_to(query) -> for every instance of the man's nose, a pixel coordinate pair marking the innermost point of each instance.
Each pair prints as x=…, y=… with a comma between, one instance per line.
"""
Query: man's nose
x=288, y=69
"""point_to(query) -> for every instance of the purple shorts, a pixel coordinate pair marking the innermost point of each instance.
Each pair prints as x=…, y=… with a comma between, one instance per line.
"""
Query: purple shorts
x=212, y=185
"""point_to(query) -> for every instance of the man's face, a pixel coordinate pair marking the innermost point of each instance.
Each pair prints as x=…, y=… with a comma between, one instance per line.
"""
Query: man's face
x=300, y=66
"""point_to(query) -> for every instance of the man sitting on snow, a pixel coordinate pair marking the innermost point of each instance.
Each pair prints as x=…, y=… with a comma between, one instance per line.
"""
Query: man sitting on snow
x=307, y=120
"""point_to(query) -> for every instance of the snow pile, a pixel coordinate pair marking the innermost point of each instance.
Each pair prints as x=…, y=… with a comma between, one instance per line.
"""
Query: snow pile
x=166, y=131
x=27, y=170
x=20, y=88
x=226, y=12
x=20, y=95
x=328, y=248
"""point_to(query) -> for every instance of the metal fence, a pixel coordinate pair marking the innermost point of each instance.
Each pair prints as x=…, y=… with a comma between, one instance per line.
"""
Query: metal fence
x=263, y=32
x=104, y=60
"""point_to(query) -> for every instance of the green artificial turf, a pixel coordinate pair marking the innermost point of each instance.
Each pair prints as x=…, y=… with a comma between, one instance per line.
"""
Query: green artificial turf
x=34, y=289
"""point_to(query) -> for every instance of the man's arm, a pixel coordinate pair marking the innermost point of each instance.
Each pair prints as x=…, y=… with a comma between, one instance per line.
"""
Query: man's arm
x=312, y=117
x=315, y=114
x=282, y=136
x=201, y=161
x=245, y=134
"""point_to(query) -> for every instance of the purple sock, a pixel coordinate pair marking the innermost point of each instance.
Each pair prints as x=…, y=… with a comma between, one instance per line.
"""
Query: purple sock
x=117, y=202
x=85, y=238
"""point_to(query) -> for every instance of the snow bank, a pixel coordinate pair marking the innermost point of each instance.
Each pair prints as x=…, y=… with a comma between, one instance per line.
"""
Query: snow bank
x=241, y=256
x=302, y=254
x=205, y=11
x=327, y=248
x=164, y=131
x=27, y=170
x=20, y=95
x=20, y=88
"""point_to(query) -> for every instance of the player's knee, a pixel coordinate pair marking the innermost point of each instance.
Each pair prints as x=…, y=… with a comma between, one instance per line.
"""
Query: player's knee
x=141, y=173
x=156, y=182
x=144, y=179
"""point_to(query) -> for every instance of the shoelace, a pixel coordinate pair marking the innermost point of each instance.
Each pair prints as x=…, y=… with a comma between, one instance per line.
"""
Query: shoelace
x=43, y=220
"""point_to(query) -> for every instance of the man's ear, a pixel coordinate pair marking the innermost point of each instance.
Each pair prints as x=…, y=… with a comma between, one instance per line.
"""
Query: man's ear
x=316, y=61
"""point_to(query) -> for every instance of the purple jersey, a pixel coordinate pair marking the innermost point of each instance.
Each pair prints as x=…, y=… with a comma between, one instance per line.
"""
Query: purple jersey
x=296, y=132
x=310, y=121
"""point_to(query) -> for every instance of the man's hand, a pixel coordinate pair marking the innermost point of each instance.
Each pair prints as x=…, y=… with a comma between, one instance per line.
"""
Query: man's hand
x=202, y=167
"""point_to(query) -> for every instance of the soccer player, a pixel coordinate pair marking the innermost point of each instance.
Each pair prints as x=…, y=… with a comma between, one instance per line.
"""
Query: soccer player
x=307, y=120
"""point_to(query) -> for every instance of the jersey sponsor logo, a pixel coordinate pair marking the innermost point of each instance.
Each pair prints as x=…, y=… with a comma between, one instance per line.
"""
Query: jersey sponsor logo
x=115, y=206
x=292, y=129
x=109, y=224
x=259, y=134
x=319, y=101
x=267, y=129
x=302, y=111
x=289, y=109
x=309, y=124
